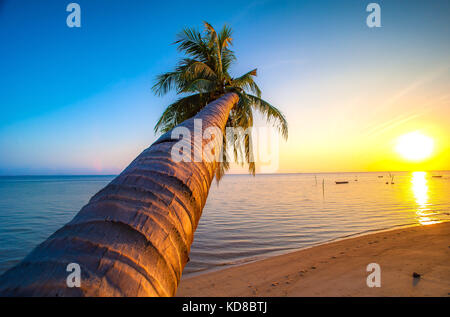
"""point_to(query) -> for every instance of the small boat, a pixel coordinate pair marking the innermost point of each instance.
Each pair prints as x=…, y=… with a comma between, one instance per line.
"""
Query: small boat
x=437, y=176
x=344, y=182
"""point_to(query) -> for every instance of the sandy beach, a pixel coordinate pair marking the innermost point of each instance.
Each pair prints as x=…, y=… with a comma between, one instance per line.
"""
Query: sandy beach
x=339, y=268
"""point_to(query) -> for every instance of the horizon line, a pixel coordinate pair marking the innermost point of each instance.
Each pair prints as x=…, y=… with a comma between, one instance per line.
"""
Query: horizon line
x=239, y=174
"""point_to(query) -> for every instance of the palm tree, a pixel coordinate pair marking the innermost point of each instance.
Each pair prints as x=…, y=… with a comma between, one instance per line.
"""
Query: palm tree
x=203, y=76
x=134, y=236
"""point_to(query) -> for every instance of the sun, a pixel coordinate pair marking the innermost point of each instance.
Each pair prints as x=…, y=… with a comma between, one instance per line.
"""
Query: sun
x=414, y=146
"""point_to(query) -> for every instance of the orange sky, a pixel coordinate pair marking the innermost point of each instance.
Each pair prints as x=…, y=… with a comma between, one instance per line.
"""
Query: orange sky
x=354, y=127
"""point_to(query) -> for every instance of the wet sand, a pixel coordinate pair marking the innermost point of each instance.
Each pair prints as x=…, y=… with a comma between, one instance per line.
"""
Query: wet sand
x=339, y=268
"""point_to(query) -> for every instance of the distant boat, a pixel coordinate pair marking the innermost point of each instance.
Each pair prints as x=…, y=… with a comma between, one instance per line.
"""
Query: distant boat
x=344, y=182
x=437, y=176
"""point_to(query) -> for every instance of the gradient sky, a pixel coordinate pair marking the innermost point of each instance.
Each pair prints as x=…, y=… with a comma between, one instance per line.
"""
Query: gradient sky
x=78, y=100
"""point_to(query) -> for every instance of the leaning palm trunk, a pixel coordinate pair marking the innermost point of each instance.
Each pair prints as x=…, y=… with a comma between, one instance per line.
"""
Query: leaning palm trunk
x=134, y=236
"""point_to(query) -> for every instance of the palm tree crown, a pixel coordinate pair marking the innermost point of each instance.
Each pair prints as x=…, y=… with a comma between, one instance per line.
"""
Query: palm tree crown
x=203, y=76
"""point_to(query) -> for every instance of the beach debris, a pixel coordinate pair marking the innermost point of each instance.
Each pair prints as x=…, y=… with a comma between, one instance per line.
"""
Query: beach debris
x=274, y=283
x=341, y=182
x=313, y=267
x=416, y=275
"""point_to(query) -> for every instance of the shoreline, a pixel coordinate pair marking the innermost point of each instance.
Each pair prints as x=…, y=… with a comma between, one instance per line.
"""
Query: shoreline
x=338, y=267
x=271, y=254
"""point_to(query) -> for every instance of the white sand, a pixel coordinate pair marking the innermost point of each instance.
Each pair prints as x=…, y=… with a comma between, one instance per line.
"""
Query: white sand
x=339, y=268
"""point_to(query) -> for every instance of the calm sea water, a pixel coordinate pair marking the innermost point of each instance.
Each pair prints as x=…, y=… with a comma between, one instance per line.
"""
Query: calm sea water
x=246, y=217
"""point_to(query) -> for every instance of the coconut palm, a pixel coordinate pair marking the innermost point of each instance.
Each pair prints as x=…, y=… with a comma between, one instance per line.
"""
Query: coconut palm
x=203, y=76
x=134, y=236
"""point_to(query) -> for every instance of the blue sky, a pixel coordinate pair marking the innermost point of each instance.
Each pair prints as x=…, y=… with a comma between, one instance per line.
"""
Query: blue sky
x=78, y=100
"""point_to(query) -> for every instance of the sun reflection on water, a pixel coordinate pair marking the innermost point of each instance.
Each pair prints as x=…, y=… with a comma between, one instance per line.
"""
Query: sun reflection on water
x=420, y=190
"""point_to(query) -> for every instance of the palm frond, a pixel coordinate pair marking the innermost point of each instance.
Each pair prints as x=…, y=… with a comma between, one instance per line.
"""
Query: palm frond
x=214, y=44
x=272, y=114
x=248, y=144
x=179, y=111
x=211, y=31
x=228, y=59
x=191, y=68
x=225, y=39
x=166, y=82
x=246, y=82
x=224, y=165
x=192, y=43
x=199, y=85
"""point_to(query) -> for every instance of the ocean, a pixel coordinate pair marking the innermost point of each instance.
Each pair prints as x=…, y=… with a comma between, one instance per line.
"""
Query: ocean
x=245, y=218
